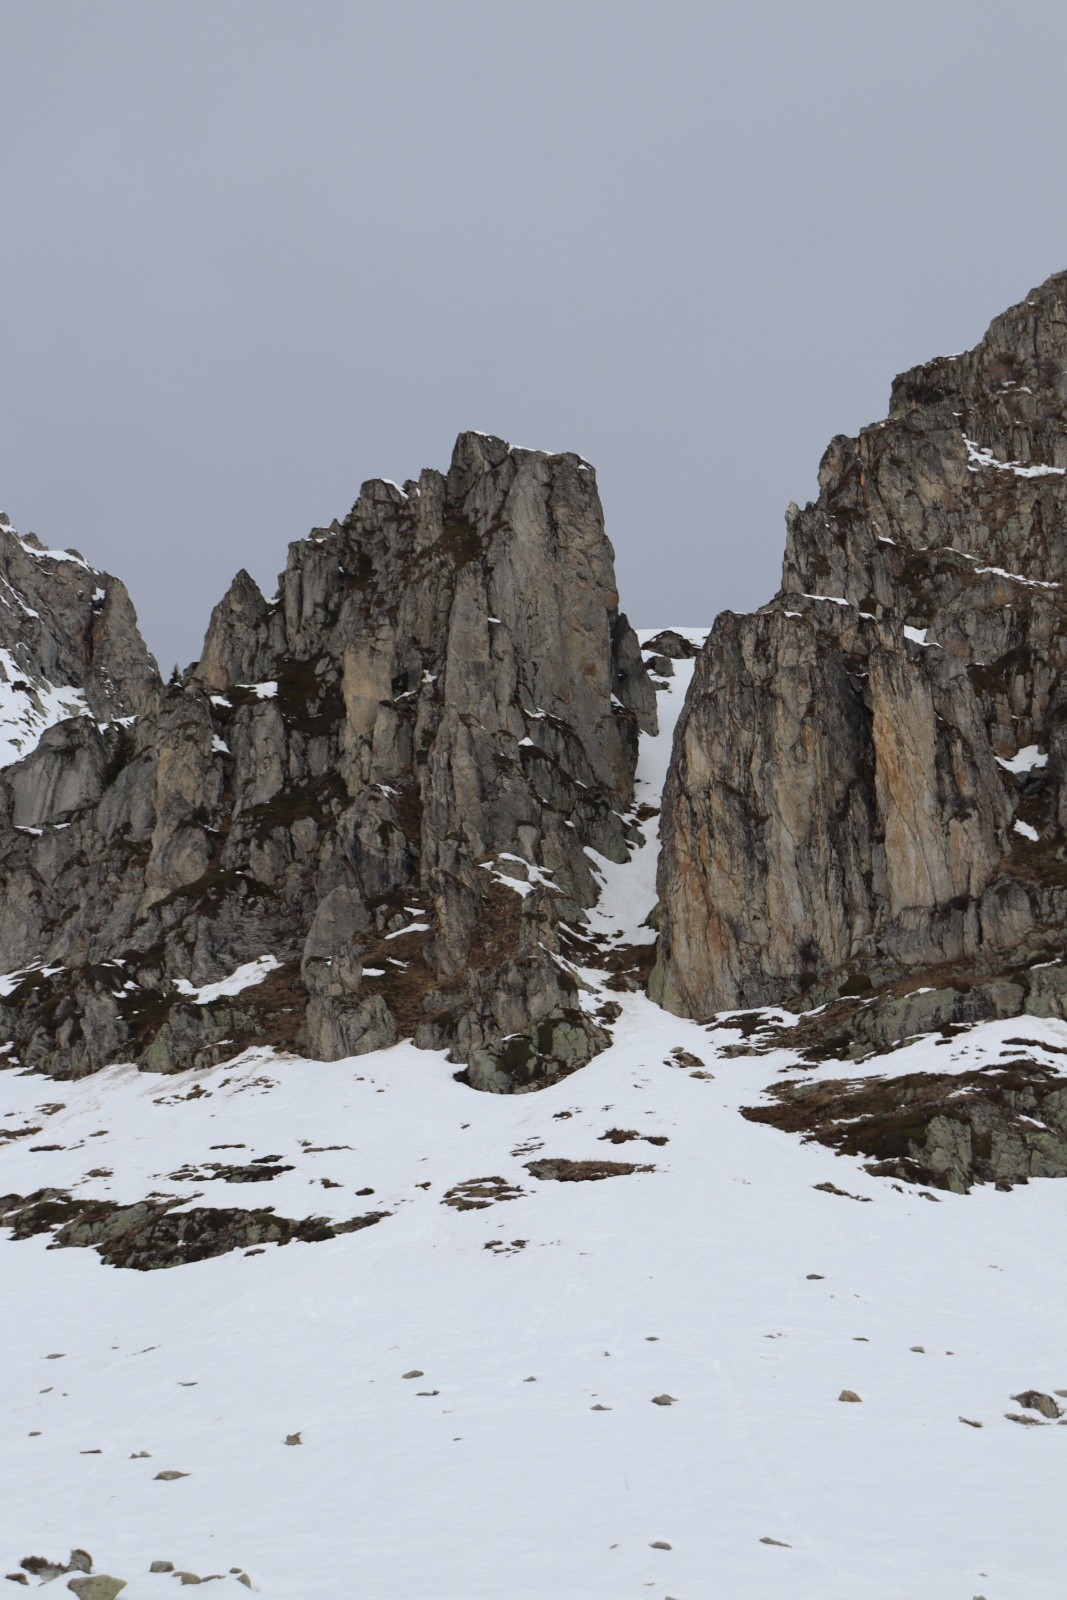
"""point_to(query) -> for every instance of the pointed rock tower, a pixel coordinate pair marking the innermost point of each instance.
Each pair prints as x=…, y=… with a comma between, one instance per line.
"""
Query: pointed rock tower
x=362, y=816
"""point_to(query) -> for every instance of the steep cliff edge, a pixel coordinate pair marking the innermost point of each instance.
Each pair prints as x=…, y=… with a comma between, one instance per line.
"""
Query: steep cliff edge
x=362, y=815
x=868, y=779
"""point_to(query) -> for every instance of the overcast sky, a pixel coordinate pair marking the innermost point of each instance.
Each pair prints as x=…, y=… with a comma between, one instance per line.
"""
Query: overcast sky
x=256, y=251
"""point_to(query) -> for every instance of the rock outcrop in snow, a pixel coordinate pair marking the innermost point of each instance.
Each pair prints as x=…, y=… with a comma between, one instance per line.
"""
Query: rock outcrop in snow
x=387, y=779
x=868, y=779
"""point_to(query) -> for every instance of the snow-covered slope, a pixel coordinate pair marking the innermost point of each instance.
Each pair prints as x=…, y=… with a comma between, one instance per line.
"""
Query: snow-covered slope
x=595, y=1390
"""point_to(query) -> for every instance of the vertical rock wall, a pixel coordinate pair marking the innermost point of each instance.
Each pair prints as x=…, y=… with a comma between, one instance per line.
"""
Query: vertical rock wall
x=868, y=776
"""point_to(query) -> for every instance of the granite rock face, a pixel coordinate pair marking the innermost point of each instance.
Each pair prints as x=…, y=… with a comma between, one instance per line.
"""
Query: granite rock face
x=868, y=778
x=385, y=780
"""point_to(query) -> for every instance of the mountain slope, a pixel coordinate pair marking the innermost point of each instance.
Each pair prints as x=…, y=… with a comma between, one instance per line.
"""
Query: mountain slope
x=724, y=1278
x=760, y=1303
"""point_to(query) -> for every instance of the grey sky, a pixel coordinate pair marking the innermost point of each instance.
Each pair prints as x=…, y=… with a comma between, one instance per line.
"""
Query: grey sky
x=254, y=252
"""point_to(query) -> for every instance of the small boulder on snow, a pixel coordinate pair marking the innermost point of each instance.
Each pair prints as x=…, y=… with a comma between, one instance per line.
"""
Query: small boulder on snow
x=101, y=1586
x=1035, y=1400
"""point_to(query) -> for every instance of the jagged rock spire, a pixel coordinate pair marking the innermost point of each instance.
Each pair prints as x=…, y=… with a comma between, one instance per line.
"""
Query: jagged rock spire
x=386, y=779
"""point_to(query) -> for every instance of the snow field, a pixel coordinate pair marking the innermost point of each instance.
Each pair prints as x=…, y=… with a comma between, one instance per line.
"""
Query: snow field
x=722, y=1279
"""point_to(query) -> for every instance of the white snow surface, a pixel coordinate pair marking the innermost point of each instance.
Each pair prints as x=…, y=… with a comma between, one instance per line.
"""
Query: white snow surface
x=1017, y=577
x=514, y=872
x=628, y=891
x=1024, y=760
x=10, y=981
x=918, y=636
x=979, y=456
x=26, y=713
x=243, y=977
x=722, y=1278
x=41, y=553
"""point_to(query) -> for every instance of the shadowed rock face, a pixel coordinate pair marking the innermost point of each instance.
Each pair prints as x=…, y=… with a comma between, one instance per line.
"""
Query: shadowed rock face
x=443, y=701
x=841, y=807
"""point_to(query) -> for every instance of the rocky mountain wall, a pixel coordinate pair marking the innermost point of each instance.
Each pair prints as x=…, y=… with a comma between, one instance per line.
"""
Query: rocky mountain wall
x=372, y=795
x=68, y=643
x=868, y=777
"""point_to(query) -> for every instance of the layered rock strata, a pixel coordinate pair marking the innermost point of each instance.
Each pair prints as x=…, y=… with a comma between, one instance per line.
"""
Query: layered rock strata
x=868, y=777
x=363, y=814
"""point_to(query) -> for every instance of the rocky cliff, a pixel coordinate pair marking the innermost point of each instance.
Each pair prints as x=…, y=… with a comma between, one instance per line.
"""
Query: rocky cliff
x=868, y=781
x=363, y=814
x=68, y=644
